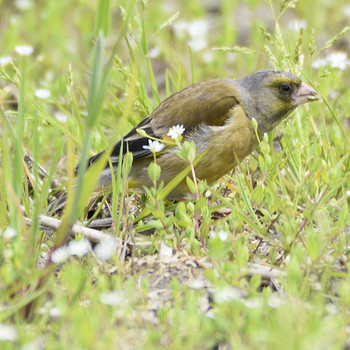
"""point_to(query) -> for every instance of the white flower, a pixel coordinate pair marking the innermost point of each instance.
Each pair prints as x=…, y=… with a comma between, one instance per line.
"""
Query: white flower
x=198, y=27
x=5, y=60
x=338, y=60
x=251, y=303
x=154, y=53
x=8, y=333
x=23, y=4
x=10, y=232
x=55, y=312
x=180, y=28
x=113, y=298
x=106, y=248
x=24, y=50
x=223, y=235
x=208, y=56
x=275, y=301
x=348, y=193
x=60, y=255
x=346, y=10
x=197, y=31
x=296, y=24
x=212, y=234
x=165, y=251
x=61, y=117
x=321, y=62
x=154, y=146
x=79, y=248
x=175, y=131
x=226, y=294
x=42, y=93
x=198, y=43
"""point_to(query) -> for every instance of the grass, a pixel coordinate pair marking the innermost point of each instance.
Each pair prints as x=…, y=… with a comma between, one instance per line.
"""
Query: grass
x=286, y=207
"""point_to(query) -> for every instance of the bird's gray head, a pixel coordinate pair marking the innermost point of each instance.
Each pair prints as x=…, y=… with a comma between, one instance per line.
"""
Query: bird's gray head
x=269, y=96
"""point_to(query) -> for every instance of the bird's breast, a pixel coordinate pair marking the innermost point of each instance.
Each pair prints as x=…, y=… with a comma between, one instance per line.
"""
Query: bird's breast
x=227, y=145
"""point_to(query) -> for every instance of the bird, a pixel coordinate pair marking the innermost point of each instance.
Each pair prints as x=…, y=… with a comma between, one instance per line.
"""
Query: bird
x=217, y=116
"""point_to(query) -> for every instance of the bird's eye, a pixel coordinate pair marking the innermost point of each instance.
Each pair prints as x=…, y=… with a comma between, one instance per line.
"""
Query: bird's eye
x=285, y=88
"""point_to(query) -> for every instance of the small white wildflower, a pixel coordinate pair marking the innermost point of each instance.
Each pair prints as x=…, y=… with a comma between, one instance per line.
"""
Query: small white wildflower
x=346, y=10
x=198, y=44
x=321, y=62
x=252, y=303
x=208, y=56
x=198, y=27
x=165, y=251
x=61, y=117
x=60, y=255
x=24, y=50
x=8, y=333
x=5, y=60
x=176, y=131
x=197, y=30
x=275, y=301
x=226, y=294
x=35, y=344
x=223, y=235
x=55, y=312
x=106, y=248
x=348, y=193
x=297, y=24
x=212, y=234
x=210, y=314
x=79, y=248
x=23, y=4
x=154, y=53
x=113, y=298
x=42, y=93
x=180, y=28
x=10, y=232
x=196, y=283
x=338, y=60
x=154, y=146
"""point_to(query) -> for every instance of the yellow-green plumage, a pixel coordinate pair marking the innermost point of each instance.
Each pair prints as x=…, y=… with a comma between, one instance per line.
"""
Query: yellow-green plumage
x=217, y=116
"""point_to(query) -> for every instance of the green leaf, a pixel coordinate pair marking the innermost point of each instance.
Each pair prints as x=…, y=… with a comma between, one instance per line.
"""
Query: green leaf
x=191, y=185
x=103, y=18
x=154, y=171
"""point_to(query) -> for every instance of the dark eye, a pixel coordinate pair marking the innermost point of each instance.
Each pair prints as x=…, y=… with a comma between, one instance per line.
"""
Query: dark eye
x=285, y=88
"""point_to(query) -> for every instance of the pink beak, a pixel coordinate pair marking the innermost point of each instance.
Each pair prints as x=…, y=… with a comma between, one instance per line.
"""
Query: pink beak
x=305, y=94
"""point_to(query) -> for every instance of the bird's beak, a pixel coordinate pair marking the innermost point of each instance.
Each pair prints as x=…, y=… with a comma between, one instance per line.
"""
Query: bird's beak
x=304, y=94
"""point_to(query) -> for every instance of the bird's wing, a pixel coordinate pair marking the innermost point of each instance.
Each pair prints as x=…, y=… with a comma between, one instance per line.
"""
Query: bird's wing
x=204, y=103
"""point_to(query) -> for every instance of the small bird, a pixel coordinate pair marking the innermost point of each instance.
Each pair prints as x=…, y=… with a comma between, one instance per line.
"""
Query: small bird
x=217, y=116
